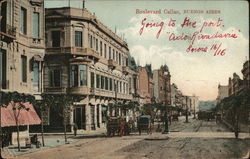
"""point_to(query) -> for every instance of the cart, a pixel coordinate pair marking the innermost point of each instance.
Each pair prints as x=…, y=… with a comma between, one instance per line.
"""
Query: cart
x=144, y=124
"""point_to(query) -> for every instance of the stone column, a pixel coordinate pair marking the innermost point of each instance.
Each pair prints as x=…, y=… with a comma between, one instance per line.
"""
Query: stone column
x=88, y=117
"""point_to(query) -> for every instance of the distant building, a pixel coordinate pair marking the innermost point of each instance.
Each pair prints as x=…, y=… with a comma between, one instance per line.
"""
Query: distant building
x=235, y=84
x=194, y=103
x=162, y=85
x=246, y=74
x=222, y=92
x=174, y=95
x=146, y=84
x=179, y=99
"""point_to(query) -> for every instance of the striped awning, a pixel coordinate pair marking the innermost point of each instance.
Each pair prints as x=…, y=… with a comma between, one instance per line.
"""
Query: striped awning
x=26, y=117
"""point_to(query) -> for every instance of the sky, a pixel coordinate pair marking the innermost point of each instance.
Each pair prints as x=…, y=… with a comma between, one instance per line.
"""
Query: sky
x=194, y=73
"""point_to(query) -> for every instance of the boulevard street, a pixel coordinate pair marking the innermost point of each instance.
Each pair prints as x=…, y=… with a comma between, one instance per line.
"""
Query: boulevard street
x=196, y=139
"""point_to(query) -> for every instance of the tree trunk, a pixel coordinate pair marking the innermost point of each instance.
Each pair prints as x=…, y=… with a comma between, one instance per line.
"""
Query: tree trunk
x=42, y=128
x=18, y=141
x=65, y=128
x=65, y=134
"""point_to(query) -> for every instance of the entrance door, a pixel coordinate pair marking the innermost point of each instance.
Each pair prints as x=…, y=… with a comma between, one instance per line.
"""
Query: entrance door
x=92, y=116
x=80, y=117
x=98, y=116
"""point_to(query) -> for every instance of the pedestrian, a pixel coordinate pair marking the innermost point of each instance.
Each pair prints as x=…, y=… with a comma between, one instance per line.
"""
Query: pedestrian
x=75, y=129
x=122, y=127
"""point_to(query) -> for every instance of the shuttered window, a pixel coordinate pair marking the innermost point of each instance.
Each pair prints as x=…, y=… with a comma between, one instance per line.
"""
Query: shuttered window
x=78, y=38
x=35, y=20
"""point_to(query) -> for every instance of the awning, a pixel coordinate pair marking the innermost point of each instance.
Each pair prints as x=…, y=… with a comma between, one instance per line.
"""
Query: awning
x=29, y=117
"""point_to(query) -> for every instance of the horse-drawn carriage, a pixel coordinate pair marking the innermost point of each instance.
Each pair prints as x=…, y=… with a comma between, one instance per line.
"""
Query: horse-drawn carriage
x=144, y=124
x=118, y=125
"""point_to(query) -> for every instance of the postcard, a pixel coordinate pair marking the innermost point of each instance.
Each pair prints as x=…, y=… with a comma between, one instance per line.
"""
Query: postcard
x=124, y=79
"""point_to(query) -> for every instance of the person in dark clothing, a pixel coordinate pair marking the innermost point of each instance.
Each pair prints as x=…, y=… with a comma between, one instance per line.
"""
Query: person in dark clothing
x=75, y=129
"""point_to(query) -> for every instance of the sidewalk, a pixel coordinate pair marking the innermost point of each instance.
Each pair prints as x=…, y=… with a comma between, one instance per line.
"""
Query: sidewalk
x=51, y=140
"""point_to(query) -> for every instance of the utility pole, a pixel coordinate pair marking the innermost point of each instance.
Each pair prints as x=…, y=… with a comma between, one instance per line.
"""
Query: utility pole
x=116, y=97
x=166, y=131
x=194, y=110
x=83, y=4
x=186, y=109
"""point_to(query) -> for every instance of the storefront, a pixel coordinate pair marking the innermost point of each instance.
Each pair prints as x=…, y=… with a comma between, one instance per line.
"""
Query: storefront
x=26, y=117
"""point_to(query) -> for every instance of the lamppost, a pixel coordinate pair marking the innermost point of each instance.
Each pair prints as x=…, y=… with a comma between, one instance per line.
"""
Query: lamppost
x=186, y=109
x=166, y=130
x=194, y=110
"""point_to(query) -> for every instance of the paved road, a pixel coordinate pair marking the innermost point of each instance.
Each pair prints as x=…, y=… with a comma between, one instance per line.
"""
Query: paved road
x=196, y=139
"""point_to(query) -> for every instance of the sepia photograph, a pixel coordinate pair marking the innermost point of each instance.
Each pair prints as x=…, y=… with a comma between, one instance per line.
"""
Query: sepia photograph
x=124, y=79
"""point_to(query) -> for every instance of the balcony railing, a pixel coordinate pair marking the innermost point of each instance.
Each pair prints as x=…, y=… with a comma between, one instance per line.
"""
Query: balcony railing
x=90, y=53
x=56, y=90
x=81, y=90
x=125, y=70
x=9, y=32
x=112, y=64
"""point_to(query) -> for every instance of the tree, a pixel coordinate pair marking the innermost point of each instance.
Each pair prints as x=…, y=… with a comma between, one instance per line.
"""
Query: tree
x=45, y=104
x=63, y=103
x=16, y=101
x=66, y=101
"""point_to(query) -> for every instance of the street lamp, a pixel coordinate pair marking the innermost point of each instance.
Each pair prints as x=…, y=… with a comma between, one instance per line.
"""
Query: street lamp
x=194, y=110
x=186, y=109
x=166, y=130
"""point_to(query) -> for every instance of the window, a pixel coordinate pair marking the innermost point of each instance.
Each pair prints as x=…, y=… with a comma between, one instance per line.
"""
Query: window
x=101, y=47
x=114, y=54
x=110, y=84
x=106, y=83
x=3, y=69
x=78, y=75
x=24, y=68
x=120, y=86
x=55, y=78
x=124, y=87
x=91, y=41
x=35, y=75
x=97, y=81
x=117, y=57
x=110, y=53
x=78, y=38
x=92, y=76
x=23, y=21
x=74, y=76
x=36, y=29
x=96, y=45
x=105, y=51
x=119, y=60
x=102, y=82
x=83, y=75
x=56, y=38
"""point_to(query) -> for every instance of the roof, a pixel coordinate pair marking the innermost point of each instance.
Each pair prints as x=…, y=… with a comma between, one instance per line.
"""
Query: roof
x=29, y=117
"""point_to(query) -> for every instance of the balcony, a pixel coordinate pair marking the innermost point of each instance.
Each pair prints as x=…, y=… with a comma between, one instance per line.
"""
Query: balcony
x=125, y=70
x=81, y=90
x=8, y=32
x=112, y=64
x=88, y=52
x=55, y=90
